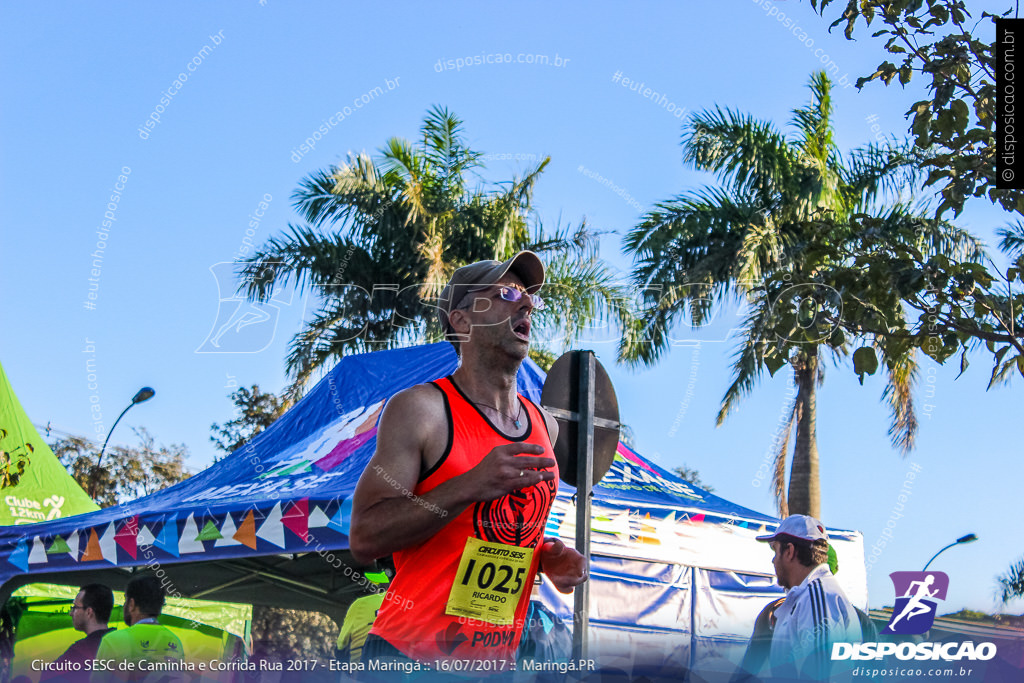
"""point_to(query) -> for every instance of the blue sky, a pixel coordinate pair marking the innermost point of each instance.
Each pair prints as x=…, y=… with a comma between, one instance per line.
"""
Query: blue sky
x=80, y=81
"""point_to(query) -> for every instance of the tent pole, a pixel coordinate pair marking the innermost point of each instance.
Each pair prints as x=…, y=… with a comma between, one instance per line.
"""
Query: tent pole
x=584, y=486
x=693, y=623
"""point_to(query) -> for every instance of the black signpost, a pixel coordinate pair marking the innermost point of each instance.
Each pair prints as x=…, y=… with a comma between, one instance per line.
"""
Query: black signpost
x=580, y=396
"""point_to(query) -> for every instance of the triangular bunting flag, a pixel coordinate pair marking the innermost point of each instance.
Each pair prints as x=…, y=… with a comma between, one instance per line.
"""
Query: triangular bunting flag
x=168, y=538
x=73, y=545
x=19, y=558
x=296, y=519
x=648, y=532
x=272, y=530
x=227, y=533
x=92, y=548
x=341, y=518
x=108, y=546
x=697, y=518
x=246, y=534
x=127, y=537
x=209, y=532
x=337, y=522
x=59, y=545
x=318, y=519
x=189, y=542
x=38, y=552
x=145, y=537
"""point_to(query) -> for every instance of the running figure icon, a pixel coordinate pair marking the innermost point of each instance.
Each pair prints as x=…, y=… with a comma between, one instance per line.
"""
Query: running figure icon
x=917, y=596
x=914, y=607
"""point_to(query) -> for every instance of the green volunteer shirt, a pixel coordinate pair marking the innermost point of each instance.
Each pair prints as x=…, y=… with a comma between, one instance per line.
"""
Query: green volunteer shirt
x=143, y=642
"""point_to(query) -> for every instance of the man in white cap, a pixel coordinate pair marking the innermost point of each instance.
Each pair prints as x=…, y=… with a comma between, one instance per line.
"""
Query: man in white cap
x=816, y=611
x=461, y=484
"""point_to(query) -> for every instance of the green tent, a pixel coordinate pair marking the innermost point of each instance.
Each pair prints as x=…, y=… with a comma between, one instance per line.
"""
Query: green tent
x=45, y=490
x=42, y=628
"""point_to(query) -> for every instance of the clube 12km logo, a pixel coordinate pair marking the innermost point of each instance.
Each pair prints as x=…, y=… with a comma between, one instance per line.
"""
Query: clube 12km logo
x=917, y=596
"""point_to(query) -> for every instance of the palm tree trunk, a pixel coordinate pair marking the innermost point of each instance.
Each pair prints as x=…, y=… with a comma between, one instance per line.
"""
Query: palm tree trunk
x=804, y=485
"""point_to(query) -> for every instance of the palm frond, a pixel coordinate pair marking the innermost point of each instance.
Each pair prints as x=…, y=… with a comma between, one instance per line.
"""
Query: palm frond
x=693, y=238
x=891, y=170
x=1003, y=371
x=899, y=394
x=406, y=170
x=1011, y=240
x=446, y=152
x=747, y=366
x=750, y=155
x=304, y=254
x=1011, y=582
x=582, y=295
x=339, y=193
x=779, y=468
x=508, y=212
x=814, y=121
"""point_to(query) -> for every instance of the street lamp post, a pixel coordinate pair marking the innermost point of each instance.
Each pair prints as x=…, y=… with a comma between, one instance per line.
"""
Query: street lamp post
x=969, y=538
x=143, y=394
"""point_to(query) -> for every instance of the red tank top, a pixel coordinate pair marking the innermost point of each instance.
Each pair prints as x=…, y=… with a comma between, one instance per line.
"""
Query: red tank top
x=417, y=616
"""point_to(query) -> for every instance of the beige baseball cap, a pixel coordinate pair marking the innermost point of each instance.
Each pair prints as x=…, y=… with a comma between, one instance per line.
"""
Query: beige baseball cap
x=526, y=264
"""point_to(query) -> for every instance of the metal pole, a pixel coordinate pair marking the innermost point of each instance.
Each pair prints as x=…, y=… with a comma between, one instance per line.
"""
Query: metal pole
x=693, y=624
x=99, y=461
x=937, y=554
x=584, y=486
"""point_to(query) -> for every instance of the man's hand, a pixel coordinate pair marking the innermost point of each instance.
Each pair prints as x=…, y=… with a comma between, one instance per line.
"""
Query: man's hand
x=504, y=470
x=563, y=565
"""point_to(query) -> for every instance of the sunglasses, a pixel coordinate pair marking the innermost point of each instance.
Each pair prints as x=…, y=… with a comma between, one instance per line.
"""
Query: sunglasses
x=514, y=295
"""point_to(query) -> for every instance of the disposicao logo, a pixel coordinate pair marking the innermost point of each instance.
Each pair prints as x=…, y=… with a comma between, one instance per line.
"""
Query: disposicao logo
x=914, y=613
x=916, y=595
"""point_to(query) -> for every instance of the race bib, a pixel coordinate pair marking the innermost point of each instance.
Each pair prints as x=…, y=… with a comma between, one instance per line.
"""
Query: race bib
x=489, y=582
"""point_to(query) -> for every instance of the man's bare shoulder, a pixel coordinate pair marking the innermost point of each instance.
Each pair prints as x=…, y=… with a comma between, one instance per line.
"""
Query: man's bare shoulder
x=550, y=423
x=419, y=409
x=419, y=397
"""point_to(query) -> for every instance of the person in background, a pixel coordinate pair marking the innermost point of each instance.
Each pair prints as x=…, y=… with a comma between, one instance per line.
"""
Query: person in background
x=90, y=612
x=145, y=639
x=815, y=612
x=360, y=617
x=760, y=642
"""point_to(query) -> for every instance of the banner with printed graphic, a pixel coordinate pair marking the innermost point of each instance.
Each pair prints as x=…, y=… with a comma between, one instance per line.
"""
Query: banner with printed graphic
x=44, y=490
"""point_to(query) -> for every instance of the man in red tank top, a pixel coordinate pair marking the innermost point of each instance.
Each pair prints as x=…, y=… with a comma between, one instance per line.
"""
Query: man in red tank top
x=461, y=484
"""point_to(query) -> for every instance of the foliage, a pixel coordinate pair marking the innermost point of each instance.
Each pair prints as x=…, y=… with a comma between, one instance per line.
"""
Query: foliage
x=13, y=462
x=384, y=234
x=756, y=238
x=1011, y=583
x=881, y=287
x=692, y=476
x=287, y=634
x=542, y=357
x=127, y=473
x=255, y=410
x=955, y=127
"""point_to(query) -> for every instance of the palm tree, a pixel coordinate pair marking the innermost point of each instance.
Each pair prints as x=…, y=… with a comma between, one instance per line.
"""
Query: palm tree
x=749, y=239
x=383, y=235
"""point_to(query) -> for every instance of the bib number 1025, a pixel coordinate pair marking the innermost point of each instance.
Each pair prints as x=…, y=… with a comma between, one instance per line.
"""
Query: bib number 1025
x=495, y=577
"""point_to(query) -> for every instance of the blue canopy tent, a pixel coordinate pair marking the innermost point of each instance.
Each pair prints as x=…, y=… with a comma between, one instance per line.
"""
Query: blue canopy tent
x=675, y=570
